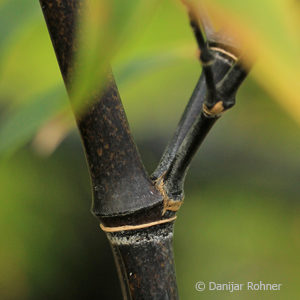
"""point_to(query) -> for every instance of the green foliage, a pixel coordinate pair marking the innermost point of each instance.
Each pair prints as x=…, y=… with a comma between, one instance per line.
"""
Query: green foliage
x=20, y=124
x=147, y=41
x=241, y=216
x=269, y=31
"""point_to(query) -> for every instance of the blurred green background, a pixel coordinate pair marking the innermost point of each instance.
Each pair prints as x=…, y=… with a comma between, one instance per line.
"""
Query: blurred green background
x=240, y=221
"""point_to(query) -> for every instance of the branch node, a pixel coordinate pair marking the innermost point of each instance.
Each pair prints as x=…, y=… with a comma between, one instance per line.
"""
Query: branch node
x=169, y=204
x=215, y=111
x=227, y=53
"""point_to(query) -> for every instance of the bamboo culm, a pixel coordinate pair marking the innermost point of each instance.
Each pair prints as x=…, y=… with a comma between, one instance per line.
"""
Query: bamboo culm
x=137, y=211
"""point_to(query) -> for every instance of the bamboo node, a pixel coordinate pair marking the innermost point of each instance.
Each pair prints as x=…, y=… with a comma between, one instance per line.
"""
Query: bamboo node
x=215, y=111
x=169, y=204
x=136, y=227
x=229, y=54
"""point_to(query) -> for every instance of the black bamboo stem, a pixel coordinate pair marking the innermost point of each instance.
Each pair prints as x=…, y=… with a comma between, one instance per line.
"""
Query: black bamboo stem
x=206, y=56
x=139, y=252
x=137, y=213
x=123, y=194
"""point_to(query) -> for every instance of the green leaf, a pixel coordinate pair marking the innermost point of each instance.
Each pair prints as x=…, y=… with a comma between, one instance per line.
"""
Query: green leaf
x=144, y=66
x=20, y=124
x=104, y=27
x=13, y=15
x=269, y=30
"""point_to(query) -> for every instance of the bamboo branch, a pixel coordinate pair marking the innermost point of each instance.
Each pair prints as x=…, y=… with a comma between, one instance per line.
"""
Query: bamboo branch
x=221, y=65
x=218, y=96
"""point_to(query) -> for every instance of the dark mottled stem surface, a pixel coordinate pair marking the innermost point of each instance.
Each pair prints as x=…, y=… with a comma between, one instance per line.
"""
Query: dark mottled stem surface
x=123, y=194
x=120, y=183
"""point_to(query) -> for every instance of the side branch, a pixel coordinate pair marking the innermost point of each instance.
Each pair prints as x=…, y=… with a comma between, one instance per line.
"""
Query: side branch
x=222, y=75
x=221, y=65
